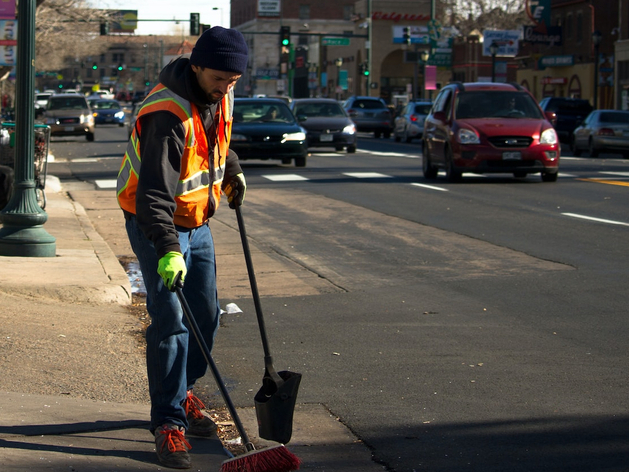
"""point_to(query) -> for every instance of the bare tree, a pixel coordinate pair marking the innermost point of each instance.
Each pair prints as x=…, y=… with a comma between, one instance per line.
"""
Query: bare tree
x=478, y=15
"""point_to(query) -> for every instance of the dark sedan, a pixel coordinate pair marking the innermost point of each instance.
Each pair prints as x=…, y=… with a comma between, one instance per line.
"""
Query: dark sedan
x=107, y=112
x=267, y=129
x=326, y=123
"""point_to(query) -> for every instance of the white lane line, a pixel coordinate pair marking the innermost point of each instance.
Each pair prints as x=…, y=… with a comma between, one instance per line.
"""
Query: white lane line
x=95, y=159
x=591, y=218
x=431, y=187
x=391, y=154
x=622, y=174
x=105, y=183
x=366, y=175
x=285, y=178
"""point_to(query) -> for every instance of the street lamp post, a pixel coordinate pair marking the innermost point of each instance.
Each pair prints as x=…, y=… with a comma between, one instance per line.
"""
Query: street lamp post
x=596, y=40
x=221, y=10
x=22, y=232
x=424, y=60
x=493, y=49
x=339, y=63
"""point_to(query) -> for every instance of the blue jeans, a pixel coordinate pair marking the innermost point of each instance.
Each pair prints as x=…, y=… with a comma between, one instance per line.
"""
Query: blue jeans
x=173, y=357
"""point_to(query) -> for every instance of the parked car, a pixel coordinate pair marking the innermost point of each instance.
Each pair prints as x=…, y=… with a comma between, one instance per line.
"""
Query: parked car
x=602, y=131
x=107, y=112
x=267, y=129
x=409, y=123
x=102, y=94
x=139, y=96
x=489, y=128
x=370, y=114
x=569, y=113
x=41, y=99
x=69, y=114
x=326, y=123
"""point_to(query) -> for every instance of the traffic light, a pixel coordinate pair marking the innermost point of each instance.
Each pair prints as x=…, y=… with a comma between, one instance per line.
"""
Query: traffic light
x=104, y=28
x=406, y=35
x=195, y=24
x=366, y=70
x=95, y=66
x=120, y=66
x=284, y=36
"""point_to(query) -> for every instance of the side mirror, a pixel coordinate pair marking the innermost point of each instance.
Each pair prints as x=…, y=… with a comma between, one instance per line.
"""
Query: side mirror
x=439, y=116
x=552, y=117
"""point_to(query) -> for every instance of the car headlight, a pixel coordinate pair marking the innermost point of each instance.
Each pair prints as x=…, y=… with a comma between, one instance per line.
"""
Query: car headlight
x=548, y=136
x=86, y=119
x=238, y=137
x=294, y=137
x=349, y=129
x=119, y=115
x=467, y=136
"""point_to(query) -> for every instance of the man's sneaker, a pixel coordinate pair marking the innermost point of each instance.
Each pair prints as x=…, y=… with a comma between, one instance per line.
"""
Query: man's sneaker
x=198, y=423
x=171, y=447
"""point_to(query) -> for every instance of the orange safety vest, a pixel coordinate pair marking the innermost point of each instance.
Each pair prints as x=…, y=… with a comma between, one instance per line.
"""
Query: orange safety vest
x=195, y=202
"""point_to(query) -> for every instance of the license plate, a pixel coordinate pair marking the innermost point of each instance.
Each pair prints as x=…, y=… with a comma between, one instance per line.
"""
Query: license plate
x=512, y=155
x=326, y=138
x=69, y=128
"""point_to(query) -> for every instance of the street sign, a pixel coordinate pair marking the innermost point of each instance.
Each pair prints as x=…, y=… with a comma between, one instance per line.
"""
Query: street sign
x=327, y=41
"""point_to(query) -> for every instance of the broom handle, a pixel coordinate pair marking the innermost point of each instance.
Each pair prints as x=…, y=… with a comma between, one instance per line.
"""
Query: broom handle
x=268, y=359
x=208, y=358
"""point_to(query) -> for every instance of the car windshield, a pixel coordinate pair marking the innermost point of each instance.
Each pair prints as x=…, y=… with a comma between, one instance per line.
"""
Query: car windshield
x=250, y=112
x=491, y=104
x=319, y=109
x=106, y=104
x=614, y=117
x=67, y=103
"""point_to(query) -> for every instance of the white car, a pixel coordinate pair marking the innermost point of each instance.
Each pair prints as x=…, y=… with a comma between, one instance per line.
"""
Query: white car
x=102, y=94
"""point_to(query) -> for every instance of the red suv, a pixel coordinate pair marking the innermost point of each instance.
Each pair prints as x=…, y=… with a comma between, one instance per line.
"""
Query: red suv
x=489, y=128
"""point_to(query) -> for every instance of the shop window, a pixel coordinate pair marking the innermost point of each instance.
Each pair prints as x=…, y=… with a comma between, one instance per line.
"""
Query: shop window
x=579, y=27
x=568, y=27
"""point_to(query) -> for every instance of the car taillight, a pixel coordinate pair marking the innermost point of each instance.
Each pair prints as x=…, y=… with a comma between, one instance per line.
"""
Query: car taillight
x=605, y=132
x=351, y=112
x=413, y=118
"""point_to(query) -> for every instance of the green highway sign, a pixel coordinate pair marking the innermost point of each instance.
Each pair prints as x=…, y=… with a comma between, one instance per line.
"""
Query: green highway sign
x=334, y=41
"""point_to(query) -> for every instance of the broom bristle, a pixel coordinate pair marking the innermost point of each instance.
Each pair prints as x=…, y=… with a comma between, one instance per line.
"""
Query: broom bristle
x=272, y=459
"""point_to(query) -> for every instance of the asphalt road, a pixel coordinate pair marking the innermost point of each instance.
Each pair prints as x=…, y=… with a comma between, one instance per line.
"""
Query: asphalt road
x=472, y=326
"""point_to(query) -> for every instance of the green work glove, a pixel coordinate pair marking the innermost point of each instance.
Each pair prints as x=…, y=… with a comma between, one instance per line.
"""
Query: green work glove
x=235, y=190
x=171, y=264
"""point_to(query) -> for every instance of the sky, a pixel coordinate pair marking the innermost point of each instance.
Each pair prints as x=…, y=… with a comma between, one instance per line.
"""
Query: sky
x=167, y=10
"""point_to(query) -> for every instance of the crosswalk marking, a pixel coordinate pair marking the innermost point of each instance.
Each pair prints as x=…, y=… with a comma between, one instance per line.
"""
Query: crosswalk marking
x=105, y=184
x=285, y=178
x=367, y=175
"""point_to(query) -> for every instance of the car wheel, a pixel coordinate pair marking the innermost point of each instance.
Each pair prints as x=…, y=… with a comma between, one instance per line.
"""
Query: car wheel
x=387, y=134
x=592, y=150
x=89, y=136
x=377, y=134
x=573, y=147
x=430, y=171
x=121, y=124
x=549, y=176
x=351, y=149
x=396, y=137
x=452, y=174
x=300, y=162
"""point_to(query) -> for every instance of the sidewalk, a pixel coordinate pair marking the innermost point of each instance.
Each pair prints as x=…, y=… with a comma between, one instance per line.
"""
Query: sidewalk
x=62, y=433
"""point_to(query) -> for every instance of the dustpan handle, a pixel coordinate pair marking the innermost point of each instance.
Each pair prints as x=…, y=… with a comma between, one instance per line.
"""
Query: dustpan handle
x=268, y=359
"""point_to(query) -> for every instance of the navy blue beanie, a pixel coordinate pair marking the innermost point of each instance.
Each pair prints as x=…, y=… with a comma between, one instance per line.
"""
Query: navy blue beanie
x=221, y=49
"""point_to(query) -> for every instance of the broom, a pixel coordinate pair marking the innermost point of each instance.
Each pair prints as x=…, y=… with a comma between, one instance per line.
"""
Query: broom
x=271, y=459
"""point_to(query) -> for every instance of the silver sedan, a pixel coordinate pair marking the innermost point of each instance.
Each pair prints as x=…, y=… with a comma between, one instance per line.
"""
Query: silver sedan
x=602, y=131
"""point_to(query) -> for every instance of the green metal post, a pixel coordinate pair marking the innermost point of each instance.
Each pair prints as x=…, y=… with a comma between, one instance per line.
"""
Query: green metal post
x=22, y=232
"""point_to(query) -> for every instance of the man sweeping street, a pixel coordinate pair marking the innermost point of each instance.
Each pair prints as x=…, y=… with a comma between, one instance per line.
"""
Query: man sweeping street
x=176, y=165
